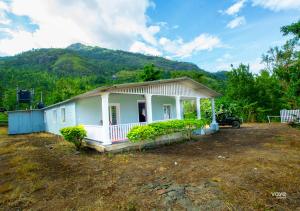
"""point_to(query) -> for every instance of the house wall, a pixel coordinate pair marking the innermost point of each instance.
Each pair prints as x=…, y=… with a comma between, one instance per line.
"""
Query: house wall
x=88, y=111
x=157, y=107
x=128, y=106
x=53, y=125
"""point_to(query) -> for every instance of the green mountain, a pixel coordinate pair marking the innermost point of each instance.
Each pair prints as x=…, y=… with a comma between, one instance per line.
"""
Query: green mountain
x=78, y=60
x=62, y=73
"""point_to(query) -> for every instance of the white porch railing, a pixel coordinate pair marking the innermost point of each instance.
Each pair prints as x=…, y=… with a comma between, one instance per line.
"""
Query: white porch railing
x=116, y=132
x=119, y=132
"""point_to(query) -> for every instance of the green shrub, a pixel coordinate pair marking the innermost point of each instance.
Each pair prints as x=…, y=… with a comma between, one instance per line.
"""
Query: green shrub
x=144, y=132
x=74, y=135
x=154, y=130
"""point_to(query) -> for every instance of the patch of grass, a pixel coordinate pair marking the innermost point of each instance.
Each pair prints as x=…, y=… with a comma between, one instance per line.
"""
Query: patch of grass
x=279, y=138
x=6, y=150
x=6, y=187
x=216, y=179
x=63, y=146
x=41, y=171
x=16, y=160
x=121, y=158
x=27, y=170
x=38, y=185
x=295, y=144
x=3, y=130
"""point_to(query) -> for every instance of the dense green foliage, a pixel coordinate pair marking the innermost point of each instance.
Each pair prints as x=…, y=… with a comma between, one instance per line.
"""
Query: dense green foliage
x=151, y=73
x=151, y=131
x=254, y=96
x=63, y=73
x=3, y=118
x=74, y=135
x=293, y=29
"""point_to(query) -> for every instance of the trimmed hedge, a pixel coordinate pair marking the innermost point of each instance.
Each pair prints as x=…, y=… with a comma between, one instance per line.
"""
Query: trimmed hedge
x=74, y=135
x=152, y=131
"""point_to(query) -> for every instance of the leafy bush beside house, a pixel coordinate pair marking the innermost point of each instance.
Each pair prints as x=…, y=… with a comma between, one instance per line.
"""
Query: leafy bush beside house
x=3, y=119
x=154, y=130
x=74, y=134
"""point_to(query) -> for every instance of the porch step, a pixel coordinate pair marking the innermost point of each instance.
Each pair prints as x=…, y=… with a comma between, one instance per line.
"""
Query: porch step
x=95, y=145
x=128, y=146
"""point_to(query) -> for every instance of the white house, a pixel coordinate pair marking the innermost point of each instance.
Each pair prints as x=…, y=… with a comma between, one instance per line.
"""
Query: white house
x=108, y=113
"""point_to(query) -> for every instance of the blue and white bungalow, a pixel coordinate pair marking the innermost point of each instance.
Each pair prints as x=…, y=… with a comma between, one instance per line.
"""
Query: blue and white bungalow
x=108, y=113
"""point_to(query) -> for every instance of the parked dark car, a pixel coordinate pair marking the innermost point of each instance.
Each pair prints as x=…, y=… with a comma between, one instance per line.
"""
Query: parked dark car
x=228, y=119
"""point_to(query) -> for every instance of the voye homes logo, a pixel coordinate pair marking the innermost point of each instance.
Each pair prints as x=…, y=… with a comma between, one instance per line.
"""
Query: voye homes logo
x=279, y=195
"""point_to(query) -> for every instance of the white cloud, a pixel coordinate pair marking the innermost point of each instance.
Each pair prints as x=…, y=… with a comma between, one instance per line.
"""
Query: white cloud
x=277, y=5
x=3, y=8
x=225, y=62
x=256, y=65
x=3, y=5
x=179, y=48
x=3, y=19
x=235, y=8
x=240, y=20
x=140, y=47
x=112, y=24
x=224, y=58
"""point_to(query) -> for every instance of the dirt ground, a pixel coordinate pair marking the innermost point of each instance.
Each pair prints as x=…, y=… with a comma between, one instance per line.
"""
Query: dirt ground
x=256, y=167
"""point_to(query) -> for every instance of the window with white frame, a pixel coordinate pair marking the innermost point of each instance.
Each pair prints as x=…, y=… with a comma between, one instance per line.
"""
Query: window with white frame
x=63, y=114
x=167, y=111
x=54, y=115
x=114, y=113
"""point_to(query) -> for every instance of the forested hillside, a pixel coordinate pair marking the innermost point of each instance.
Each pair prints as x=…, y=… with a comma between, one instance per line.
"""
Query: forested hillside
x=63, y=73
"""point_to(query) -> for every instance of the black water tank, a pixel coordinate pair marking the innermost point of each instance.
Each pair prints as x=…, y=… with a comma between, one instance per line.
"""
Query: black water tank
x=40, y=105
x=24, y=96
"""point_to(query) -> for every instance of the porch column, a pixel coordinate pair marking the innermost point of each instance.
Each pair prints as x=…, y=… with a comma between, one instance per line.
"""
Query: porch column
x=178, y=108
x=149, y=107
x=105, y=119
x=182, y=109
x=213, y=110
x=214, y=125
x=198, y=106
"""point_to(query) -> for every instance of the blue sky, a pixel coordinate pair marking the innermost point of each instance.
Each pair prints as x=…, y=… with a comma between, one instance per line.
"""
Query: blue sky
x=212, y=34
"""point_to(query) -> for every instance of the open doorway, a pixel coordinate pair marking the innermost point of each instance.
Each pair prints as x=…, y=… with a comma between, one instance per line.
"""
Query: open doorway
x=142, y=111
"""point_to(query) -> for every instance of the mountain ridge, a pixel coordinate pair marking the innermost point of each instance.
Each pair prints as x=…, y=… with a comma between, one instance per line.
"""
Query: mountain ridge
x=101, y=59
x=61, y=73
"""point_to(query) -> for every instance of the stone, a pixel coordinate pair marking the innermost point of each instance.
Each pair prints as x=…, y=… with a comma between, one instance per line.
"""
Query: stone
x=161, y=191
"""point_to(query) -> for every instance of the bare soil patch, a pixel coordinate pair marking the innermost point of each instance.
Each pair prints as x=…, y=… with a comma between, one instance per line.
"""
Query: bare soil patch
x=233, y=169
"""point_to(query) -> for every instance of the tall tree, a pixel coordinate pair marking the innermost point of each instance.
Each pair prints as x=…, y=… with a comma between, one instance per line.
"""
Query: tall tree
x=284, y=63
x=293, y=29
x=151, y=73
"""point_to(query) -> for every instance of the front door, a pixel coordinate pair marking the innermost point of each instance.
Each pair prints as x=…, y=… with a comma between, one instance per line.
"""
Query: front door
x=142, y=112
